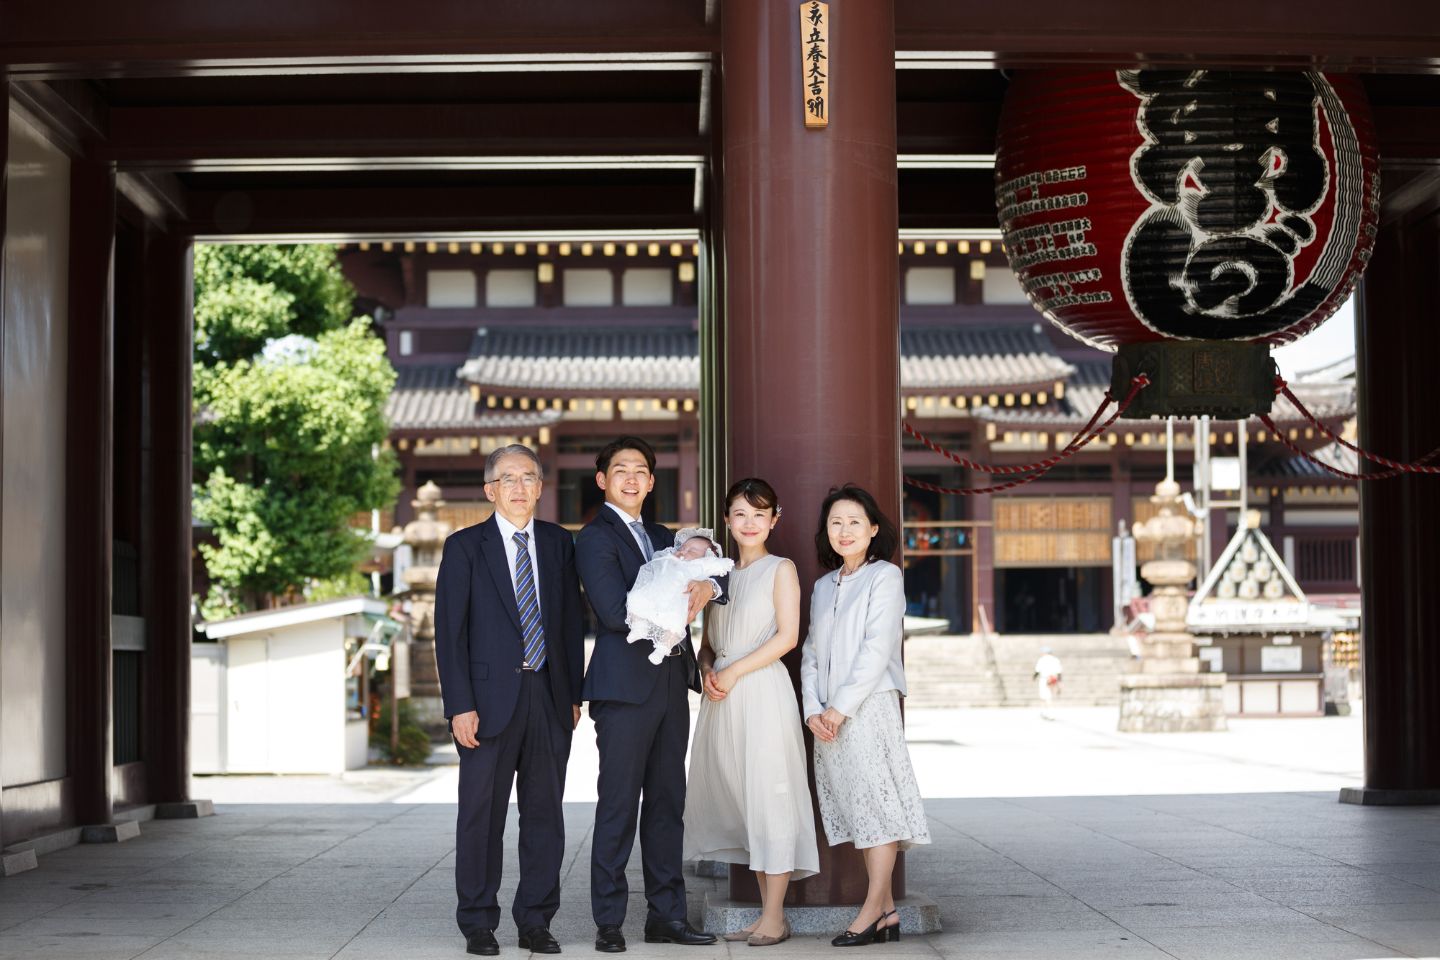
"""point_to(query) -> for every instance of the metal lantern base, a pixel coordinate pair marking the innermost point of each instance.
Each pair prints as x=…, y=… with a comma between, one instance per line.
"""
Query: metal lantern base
x=1227, y=380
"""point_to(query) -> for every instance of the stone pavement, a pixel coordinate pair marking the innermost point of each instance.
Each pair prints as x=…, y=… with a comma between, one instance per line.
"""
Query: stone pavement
x=1000, y=752
x=1262, y=876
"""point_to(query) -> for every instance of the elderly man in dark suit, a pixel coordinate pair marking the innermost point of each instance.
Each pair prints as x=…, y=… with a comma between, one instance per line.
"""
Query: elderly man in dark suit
x=509, y=643
x=641, y=710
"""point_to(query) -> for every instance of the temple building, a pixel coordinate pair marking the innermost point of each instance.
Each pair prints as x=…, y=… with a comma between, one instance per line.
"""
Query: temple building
x=564, y=345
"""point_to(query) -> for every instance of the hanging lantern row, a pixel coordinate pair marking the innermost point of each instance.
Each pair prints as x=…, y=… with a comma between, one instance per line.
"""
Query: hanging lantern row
x=1188, y=220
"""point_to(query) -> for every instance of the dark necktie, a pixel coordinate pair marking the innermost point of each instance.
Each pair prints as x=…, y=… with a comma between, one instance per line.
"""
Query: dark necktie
x=532, y=632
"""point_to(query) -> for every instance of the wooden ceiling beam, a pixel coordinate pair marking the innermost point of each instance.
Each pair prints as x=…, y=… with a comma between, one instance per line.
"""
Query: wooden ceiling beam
x=499, y=135
x=102, y=38
x=414, y=135
x=99, y=38
x=69, y=109
x=1402, y=36
x=280, y=211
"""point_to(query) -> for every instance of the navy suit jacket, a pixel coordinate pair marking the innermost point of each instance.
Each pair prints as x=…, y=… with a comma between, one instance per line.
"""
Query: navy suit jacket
x=478, y=643
x=609, y=559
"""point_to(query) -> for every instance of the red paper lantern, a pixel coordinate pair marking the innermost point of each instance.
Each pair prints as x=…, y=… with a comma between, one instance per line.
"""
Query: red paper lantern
x=1188, y=219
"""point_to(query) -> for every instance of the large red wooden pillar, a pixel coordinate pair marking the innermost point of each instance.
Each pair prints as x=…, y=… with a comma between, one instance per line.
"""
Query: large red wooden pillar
x=5, y=840
x=89, y=453
x=168, y=332
x=714, y=403
x=1397, y=353
x=810, y=226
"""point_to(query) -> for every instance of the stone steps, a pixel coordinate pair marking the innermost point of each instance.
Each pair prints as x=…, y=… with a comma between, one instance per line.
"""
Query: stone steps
x=972, y=671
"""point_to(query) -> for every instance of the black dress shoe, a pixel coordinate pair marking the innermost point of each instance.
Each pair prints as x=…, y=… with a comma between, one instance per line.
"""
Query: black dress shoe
x=851, y=939
x=538, y=940
x=609, y=939
x=482, y=943
x=676, y=931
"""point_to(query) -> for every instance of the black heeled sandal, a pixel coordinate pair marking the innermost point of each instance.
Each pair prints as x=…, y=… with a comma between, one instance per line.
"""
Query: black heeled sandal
x=851, y=939
x=891, y=933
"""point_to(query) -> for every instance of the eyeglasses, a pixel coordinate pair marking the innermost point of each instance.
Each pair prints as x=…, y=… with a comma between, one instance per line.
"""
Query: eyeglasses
x=510, y=481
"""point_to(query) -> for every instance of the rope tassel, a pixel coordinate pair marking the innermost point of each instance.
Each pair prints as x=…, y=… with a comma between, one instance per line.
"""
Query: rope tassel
x=1032, y=471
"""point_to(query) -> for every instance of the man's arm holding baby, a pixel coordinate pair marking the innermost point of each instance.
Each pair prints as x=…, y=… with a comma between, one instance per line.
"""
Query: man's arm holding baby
x=717, y=576
x=701, y=592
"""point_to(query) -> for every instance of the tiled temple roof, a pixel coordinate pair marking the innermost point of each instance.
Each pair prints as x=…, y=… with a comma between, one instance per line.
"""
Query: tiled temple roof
x=1343, y=369
x=1298, y=467
x=1085, y=389
x=1334, y=400
x=548, y=360
x=431, y=398
x=963, y=358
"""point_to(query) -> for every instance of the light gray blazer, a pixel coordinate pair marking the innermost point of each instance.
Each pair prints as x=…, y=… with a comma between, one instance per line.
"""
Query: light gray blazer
x=853, y=647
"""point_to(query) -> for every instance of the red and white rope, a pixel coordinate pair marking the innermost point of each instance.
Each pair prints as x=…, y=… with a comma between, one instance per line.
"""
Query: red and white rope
x=1036, y=470
x=1395, y=468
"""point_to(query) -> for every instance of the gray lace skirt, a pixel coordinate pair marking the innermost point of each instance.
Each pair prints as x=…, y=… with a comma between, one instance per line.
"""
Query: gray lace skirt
x=864, y=780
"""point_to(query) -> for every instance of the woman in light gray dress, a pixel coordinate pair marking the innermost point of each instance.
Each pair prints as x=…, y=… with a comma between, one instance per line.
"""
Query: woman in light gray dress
x=851, y=679
x=747, y=801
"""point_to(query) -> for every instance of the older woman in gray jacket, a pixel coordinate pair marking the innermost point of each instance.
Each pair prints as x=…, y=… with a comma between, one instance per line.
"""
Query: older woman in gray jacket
x=851, y=680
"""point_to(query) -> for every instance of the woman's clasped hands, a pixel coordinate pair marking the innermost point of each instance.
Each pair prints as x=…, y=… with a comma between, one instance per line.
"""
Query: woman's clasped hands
x=718, y=684
x=826, y=726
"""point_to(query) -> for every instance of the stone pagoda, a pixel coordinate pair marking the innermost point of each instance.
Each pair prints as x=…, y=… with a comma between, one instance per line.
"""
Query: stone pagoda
x=426, y=536
x=1169, y=693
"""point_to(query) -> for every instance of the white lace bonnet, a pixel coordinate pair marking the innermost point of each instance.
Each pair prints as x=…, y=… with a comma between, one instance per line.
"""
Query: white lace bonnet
x=690, y=533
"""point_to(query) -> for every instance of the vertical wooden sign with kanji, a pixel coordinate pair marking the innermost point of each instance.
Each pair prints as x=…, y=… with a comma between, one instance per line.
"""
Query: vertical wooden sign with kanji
x=815, y=62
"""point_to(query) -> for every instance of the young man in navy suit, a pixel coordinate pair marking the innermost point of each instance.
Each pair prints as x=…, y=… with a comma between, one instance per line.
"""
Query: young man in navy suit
x=641, y=710
x=509, y=644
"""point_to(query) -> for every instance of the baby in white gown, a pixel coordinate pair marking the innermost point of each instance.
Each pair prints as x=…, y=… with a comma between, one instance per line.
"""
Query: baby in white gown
x=657, y=605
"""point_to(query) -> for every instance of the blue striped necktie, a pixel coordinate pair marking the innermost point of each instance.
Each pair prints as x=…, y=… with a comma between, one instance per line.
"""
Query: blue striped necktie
x=532, y=632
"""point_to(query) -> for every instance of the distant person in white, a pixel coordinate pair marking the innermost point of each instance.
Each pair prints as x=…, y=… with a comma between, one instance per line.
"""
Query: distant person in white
x=1047, y=681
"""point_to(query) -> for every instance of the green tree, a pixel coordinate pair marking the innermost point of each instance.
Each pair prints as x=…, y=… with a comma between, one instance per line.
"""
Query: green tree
x=290, y=391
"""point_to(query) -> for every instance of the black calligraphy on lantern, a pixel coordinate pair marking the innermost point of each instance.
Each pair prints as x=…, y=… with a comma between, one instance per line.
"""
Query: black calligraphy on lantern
x=1232, y=165
x=1053, y=242
x=815, y=61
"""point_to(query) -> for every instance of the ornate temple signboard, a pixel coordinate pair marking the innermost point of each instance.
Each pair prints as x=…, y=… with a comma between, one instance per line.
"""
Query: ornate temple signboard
x=815, y=63
x=1052, y=531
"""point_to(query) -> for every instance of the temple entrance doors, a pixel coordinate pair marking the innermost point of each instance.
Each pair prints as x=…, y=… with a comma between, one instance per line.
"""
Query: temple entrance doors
x=1051, y=600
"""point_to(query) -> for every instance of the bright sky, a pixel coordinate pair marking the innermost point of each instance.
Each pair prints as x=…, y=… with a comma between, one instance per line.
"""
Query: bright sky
x=1333, y=340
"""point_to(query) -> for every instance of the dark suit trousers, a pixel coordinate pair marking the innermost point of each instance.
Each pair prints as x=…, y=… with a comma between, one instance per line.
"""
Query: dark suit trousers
x=642, y=750
x=536, y=747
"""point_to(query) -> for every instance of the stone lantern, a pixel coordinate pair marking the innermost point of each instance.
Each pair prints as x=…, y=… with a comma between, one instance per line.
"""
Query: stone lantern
x=426, y=537
x=1169, y=694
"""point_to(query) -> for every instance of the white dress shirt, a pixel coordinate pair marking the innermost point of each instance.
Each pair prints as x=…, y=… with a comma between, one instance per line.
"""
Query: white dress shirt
x=857, y=627
x=647, y=549
x=507, y=534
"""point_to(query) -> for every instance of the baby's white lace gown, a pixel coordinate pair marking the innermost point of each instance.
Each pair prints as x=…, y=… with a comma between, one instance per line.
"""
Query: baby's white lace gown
x=656, y=607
